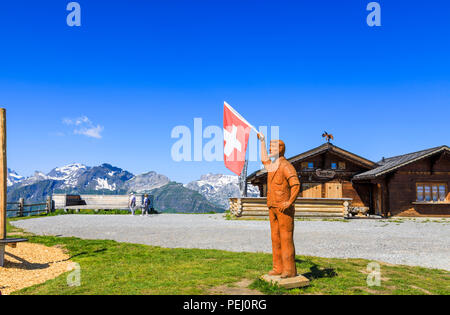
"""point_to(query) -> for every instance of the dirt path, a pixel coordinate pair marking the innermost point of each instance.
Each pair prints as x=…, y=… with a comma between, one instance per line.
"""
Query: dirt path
x=240, y=288
x=29, y=264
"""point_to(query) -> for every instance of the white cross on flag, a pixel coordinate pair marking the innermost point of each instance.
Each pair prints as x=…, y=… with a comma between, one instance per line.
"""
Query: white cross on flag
x=236, y=132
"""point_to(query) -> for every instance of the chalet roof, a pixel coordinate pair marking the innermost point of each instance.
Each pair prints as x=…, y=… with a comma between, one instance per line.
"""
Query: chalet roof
x=319, y=150
x=393, y=163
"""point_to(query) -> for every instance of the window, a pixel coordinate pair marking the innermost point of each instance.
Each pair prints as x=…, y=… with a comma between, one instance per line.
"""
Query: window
x=431, y=192
x=334, y=166
x=342, y=165
x=442, y=192
x=420, y=196
x=307, y=165
x=435, y=192
x=427, y=193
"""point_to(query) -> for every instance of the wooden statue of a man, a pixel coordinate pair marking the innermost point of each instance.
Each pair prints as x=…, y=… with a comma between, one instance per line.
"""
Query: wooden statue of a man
x=283, y=187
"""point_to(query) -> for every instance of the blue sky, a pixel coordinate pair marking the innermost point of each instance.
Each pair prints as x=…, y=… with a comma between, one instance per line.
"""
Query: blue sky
x=137, y=69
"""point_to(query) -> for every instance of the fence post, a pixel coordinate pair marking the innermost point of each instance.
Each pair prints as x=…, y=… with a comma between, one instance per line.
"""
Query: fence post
x=21, y=207
x=49, y=204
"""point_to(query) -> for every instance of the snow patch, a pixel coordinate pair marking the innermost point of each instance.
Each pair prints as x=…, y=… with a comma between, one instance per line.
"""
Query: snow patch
x=102, y=183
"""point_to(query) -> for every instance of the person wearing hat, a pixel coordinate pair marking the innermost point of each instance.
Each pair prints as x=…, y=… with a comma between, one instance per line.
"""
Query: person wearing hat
x=132, y=203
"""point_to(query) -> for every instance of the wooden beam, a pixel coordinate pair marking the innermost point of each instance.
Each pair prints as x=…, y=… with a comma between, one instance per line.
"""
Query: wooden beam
x=3, y=173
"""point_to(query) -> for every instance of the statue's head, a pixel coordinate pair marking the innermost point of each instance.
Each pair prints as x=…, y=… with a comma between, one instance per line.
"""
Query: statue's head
x=277, y=148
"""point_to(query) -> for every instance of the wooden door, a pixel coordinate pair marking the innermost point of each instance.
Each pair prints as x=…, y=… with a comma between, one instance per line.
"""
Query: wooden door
x=312, y=190
x=333, y=190
x=377, y=199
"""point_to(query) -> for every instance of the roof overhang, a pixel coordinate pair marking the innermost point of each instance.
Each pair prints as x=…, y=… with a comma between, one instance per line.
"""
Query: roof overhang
x=395, y=167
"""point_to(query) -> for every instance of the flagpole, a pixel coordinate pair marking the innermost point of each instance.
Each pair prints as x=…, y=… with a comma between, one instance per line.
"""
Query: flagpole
x=240, y=116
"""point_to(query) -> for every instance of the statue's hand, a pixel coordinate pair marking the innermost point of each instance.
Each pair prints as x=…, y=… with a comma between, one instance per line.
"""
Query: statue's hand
x=286, y=205
x=261, y=137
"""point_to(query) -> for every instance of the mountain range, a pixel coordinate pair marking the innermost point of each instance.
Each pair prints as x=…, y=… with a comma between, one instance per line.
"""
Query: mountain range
x=209, y=193
x=218, y=188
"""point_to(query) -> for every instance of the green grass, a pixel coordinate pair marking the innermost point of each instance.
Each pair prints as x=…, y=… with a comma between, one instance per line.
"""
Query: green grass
x=108, y=267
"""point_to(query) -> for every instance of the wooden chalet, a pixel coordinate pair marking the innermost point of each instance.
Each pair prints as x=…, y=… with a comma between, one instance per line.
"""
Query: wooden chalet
x=414, y=184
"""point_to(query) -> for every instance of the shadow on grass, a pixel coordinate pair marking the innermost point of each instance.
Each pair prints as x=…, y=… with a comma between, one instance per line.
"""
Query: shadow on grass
x=317, y=273
x=89, y=254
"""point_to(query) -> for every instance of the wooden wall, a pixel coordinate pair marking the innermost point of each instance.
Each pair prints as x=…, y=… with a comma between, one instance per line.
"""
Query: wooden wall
x=359, y=193
x=402, y=187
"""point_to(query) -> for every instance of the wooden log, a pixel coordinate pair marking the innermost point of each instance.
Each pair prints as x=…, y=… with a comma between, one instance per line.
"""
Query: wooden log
x=297, y=213
x=3, y=173
x=300, y=208
x=304, y=207
x=35, y=205
x=304, y=215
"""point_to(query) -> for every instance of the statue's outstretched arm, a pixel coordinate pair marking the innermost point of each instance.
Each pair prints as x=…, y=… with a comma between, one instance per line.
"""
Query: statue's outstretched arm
x=264, y=155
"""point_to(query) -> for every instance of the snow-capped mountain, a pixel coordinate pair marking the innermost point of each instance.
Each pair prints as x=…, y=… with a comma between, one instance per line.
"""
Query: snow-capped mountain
x=146, y=182
x=103, y=177
x=13, y=178
x=217, y=188
x=37, y=177
x=69, y=173
x=78, y=178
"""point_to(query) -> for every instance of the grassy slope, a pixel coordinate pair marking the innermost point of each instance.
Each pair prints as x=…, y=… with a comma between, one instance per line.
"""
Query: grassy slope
x=108, y=267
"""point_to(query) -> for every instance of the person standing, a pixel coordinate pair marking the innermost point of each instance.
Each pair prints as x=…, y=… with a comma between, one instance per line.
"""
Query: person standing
x=145, y=205
x=132, y=203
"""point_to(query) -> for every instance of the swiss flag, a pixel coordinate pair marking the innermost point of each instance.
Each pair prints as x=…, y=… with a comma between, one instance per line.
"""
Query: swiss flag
x=236, y=132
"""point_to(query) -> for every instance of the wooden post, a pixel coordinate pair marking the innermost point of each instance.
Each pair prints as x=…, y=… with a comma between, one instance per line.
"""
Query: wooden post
x=49, y=205
x=3, y=190
x=21, y=206
x=3, y=183
x=3, y=173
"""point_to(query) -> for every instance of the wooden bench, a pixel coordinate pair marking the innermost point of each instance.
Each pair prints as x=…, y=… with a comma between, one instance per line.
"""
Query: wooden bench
x=12, y=242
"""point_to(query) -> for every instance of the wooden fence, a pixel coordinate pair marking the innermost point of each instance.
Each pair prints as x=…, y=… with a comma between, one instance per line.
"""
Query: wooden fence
x=254, y=208
x=22, y=209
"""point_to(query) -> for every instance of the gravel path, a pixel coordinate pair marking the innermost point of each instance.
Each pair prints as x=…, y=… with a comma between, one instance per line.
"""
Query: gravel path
x=410, y=242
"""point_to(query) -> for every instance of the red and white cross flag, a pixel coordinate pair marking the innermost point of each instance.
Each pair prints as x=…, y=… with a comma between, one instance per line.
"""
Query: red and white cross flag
x=236, y=132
